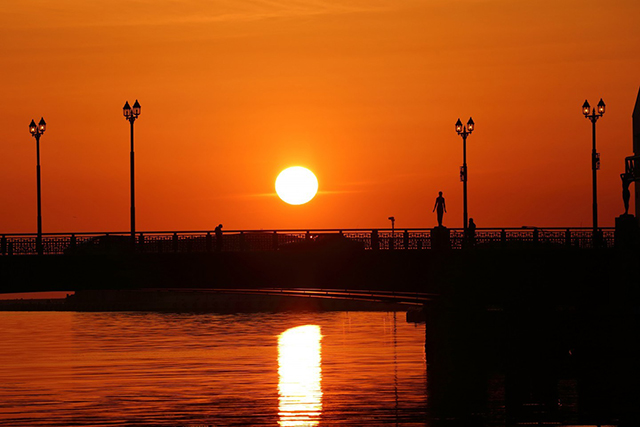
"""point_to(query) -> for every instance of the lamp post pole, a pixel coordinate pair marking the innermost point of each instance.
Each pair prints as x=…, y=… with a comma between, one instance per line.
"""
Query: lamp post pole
x=36, y=132
x=594, y=115
x=393, y=232
x=131, y=114
x=464, y=131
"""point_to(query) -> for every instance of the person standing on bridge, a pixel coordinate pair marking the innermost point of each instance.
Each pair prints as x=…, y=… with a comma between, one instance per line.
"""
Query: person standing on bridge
x=441, y=207
x=472, y=232
x=218, y=232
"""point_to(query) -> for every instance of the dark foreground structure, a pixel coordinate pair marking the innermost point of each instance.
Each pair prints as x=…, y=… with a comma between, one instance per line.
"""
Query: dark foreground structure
x=537, y=313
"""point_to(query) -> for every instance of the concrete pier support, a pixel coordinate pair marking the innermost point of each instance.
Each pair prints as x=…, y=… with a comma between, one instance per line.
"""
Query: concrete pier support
x=456, y=355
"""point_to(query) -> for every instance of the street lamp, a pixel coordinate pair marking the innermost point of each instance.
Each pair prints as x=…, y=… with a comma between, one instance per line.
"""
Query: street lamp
x=596, y=113
x=464, y=131
x=36, y=132
x=131, y=114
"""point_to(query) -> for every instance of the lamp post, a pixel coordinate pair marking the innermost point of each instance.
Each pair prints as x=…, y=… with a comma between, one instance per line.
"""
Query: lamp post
x=131, y=114
x=596, y=113
x=36, y=132
x=464, y=131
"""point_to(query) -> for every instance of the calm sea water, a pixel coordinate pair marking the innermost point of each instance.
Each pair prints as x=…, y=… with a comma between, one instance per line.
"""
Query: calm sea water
x=286, y=369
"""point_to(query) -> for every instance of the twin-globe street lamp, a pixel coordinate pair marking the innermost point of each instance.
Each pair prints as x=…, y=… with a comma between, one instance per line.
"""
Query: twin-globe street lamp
x=590, y=114
x=464, y=131
x=131, y=114
x=596, y=113
x=36, y=132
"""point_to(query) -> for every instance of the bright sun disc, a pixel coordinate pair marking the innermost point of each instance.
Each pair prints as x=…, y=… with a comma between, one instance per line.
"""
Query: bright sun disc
x=296, y=185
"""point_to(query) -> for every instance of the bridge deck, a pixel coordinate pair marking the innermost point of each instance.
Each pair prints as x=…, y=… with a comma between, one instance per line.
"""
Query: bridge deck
x=272, y=240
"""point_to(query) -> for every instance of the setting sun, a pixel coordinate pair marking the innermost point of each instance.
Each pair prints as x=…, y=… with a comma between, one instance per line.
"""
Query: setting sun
x=296, y=185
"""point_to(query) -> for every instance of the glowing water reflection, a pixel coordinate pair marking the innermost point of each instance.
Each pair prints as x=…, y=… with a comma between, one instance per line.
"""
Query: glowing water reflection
x=300, y=375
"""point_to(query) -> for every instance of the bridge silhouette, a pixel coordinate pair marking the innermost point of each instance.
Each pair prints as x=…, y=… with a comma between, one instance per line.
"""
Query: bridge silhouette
x=535, y=298
x=411, y=260
x=502, y=262
x=271, y=240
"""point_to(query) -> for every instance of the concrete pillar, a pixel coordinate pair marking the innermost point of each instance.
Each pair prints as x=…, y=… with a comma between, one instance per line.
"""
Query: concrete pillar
x=440, y=238
x=456, y=363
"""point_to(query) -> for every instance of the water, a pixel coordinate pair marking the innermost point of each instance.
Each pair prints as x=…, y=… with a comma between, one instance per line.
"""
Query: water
x=287, y=369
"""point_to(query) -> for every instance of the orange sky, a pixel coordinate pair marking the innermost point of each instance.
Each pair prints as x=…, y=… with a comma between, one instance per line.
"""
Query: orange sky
x=363, y=92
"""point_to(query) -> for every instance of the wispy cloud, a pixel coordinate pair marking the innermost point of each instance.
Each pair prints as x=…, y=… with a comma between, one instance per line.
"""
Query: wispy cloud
x=119, y=13
x=339, y=191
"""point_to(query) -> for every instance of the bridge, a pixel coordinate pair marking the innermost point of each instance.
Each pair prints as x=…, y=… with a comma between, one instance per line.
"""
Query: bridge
x=272, y=240
x=412, y=260
x=522, y=298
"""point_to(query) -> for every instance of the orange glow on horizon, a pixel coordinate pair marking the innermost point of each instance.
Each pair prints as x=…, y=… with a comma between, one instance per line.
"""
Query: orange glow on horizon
x=363, y=93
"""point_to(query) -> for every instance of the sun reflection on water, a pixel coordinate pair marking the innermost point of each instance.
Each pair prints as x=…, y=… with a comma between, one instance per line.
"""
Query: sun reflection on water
x=300, y=375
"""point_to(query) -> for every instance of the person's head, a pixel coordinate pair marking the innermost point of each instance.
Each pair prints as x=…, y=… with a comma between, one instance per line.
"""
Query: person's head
x=470, y=220
x=440, y=193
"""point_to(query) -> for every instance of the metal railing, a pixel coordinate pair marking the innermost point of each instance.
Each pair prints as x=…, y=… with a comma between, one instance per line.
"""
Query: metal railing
x=272, y=240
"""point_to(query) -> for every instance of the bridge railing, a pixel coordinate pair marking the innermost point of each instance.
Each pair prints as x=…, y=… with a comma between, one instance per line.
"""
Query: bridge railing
x=272, y=240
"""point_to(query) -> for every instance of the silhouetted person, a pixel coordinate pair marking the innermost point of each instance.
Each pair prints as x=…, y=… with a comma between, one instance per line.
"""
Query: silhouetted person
x=440, y=206
x=626, y=194
x=472, y=232
x=218, y=232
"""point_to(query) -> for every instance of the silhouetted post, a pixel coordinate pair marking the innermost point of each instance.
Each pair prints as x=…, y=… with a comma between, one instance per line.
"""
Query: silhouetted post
x=274, y=241
x=464, y=131
x=393, y=232
x=595, y=159
x=141, y=241
x=36, y=132
x=405, y=237
x=567, y=237
x=3, y=244
x=72, y=241
x=218, y=231
x=375, y=242
x=131, y=114
x=175, y=242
